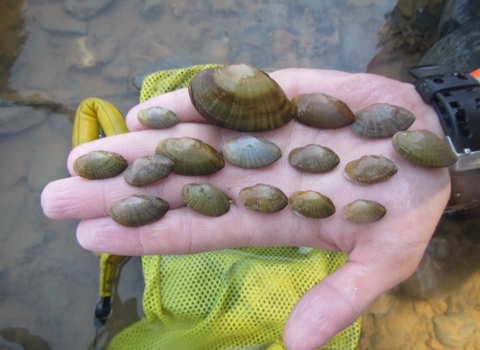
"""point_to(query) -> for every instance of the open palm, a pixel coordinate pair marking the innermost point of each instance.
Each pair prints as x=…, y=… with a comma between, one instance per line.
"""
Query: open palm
x=380, y=254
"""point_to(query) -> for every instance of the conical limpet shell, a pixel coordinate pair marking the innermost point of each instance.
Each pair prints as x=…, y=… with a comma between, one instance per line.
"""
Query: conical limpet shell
x=147, y=170
x=423, y=147
x=138, y=210
x=205, y=199
x=311, y=204
x=190, y=156
x=99, y=165
x=363, y=211
x=263, y=198
x=240, y=97
x=157, y=118
x=382, y=120
x=370, y=169
x=313, y=159
x=322, y=111
x=251, y=152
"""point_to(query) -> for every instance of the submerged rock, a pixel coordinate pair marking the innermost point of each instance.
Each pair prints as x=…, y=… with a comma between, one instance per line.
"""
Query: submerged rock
x=84, y=9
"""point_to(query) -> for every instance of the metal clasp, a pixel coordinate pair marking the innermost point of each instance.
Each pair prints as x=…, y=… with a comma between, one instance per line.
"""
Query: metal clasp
x=466, y=161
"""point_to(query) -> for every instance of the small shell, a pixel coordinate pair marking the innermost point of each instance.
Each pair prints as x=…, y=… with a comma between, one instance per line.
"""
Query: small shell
x=157, y=118
x=99, y=165
x=251, y=152
x=311, y=204
x=322, y=111
x=370, y=169
x=363, y=211
x=138, y=210
x=190, y=156
x=240, y=97
x=263, y=198
x=205, y=199
x=382, y=120
x=424, y=148
x=147, y=170
x=313, y=159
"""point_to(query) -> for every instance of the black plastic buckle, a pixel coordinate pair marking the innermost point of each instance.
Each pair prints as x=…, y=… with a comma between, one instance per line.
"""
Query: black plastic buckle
x=456, y=98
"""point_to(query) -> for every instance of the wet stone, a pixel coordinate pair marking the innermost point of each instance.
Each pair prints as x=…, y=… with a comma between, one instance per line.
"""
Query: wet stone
x=15, y=119
x=275, y=16
x=152, y=9
x=84, y=9
x=454, y=329
x=55, y=20
x=252, y=43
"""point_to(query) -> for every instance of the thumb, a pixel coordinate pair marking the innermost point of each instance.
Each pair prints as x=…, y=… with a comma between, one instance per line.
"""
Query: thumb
x=339, y=299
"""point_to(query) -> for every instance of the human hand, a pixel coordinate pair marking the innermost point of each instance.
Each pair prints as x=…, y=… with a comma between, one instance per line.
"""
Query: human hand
x=380, y=255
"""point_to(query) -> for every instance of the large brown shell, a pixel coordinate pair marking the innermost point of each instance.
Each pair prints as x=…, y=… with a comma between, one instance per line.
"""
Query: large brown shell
x=263, y=198
x=363, y=211
x=311, y=204
x=313, y=159
x=147, y=170
x=423, y=147
x=190, y=156
x=138, y=210
x=322, y=111
x=157, y=118
x=251, y=152
x=240, y=97
x=205, y=199
x=99, y=165
x=370, y=169
x=382, y=120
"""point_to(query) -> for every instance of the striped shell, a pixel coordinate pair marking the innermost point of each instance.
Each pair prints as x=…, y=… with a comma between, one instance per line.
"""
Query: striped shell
x=313, y=159
x=147, y=170
x=382, y=120
x=263, y=198
x=423, y=147
x=157, y=118
x=240, y=97
x=363, y=211
x=311, y=204
x=251, y=152
x=205, y=199
x=322, y=111
x=190, y=156
x=99, y=165
x=370, y=169
x=138, y=210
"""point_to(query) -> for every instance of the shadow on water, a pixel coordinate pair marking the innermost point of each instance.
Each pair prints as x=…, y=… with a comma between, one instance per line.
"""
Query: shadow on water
x=53, y=54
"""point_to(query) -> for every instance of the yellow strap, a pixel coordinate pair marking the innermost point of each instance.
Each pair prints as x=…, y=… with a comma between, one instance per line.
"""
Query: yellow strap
x=90, y=113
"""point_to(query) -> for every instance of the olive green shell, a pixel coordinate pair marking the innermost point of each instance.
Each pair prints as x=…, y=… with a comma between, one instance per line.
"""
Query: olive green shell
x=370, y=169
x=147, y=170
x=138, y=210
x=240, y=97
x=311, y=204
x=263, y=198
x=382, y=120
x=205, y=199
x=190, y=156
x=251, y=152
x=313, y=159
x=322, y=111
x=424, y=148
x=363, y=211
x=157, y=118
x=99, y=165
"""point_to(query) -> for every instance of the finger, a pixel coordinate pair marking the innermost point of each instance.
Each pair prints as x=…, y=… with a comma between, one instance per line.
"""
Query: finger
x=340, y=298
x=179, y=100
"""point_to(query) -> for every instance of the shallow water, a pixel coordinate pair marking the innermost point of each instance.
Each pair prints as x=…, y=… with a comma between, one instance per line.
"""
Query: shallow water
x=52, y=57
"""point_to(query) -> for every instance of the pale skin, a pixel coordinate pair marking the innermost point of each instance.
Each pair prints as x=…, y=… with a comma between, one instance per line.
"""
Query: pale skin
x=380, y=255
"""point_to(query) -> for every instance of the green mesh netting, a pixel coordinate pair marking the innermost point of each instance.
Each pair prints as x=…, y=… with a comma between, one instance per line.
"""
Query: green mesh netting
x=228, y=299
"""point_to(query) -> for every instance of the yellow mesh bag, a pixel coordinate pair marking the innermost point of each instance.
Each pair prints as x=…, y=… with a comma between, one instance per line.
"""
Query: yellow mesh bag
x=228, y=299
